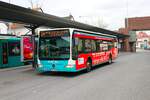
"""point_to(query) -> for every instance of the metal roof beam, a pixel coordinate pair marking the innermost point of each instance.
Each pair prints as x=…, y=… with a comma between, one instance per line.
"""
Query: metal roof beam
x=14, y=13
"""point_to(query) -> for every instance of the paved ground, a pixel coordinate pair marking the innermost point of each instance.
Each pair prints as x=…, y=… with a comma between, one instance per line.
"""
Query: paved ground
x=128, y=78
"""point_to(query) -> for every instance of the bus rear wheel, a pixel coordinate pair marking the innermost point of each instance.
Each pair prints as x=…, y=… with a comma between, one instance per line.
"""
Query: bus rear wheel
x=88, y=66
x=110, y=60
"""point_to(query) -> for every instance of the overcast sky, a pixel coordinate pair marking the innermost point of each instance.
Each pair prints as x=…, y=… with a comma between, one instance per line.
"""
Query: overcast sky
x=111, y=12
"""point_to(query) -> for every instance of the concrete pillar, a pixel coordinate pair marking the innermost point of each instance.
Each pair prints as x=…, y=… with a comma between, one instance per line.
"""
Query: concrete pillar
x=126, y=45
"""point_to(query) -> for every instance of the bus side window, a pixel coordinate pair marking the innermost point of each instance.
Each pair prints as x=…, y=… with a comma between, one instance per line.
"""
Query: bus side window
x=88, y=46
x=115, y=44
x=104, y=46
x=80, y=45
x=98, y=42
x=110, y=45
x=93, y=42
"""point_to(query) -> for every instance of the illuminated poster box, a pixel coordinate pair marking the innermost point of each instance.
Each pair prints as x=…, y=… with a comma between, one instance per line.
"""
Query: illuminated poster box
x=27, y=48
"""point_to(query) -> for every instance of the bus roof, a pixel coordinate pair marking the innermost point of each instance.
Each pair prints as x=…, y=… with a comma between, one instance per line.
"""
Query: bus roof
x=95, y=33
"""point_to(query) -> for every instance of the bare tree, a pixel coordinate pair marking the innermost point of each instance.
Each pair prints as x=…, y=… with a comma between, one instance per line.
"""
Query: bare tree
x=100, y=23
x=93, y=20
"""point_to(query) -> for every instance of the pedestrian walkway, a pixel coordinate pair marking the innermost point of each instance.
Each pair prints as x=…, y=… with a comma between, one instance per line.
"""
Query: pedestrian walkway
x=15, y=68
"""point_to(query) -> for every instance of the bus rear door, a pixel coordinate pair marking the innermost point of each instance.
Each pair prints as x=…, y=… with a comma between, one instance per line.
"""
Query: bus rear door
x=4, y=53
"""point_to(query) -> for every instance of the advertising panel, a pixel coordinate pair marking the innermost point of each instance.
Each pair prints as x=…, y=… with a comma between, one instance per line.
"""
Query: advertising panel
x=27, y=48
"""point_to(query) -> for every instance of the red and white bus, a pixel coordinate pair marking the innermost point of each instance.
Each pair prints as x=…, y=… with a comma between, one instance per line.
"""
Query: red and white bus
x=72, y=50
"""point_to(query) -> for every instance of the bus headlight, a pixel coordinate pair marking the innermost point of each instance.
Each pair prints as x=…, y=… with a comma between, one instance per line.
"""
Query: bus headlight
x=40, y=65
x=71, y=64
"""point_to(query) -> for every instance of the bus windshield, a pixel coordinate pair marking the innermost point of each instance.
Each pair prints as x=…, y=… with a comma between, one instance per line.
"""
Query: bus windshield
x=55, y=47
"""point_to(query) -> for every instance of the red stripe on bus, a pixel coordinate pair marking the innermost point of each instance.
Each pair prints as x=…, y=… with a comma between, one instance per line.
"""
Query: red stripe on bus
x=90, y=37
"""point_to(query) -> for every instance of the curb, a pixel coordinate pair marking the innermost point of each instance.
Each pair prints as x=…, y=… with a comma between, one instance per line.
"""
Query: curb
x=15, y=68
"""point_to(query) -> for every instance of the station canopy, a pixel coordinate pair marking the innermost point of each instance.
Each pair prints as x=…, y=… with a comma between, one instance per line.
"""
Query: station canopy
x=14, y=13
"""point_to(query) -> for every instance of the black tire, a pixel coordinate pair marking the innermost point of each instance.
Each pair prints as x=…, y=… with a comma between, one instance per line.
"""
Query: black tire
x=88, y=66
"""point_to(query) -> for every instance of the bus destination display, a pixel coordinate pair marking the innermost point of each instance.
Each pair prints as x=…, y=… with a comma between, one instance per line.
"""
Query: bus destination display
x=54, y=33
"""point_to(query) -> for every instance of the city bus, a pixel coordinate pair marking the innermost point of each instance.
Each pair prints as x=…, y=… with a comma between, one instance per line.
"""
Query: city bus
x=73, y=50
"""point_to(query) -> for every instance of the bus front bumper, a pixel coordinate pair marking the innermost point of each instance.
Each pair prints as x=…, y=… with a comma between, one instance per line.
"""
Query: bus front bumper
x=61, y=66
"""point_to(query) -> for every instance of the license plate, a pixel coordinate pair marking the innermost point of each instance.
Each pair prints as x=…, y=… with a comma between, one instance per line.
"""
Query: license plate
x=53, y=70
